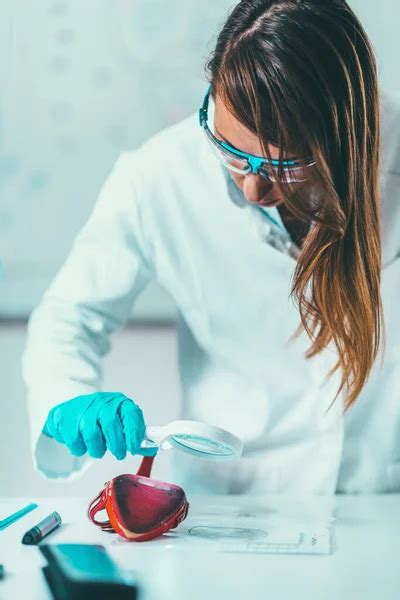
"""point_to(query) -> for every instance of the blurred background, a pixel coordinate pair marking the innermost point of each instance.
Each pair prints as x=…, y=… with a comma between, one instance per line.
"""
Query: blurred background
x=79, y=83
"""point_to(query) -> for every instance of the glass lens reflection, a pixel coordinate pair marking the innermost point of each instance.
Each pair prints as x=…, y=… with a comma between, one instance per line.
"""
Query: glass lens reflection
x=203, y=445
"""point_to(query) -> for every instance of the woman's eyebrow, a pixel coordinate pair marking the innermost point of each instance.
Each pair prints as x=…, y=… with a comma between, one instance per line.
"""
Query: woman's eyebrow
x=230, y=143
x=224, y=138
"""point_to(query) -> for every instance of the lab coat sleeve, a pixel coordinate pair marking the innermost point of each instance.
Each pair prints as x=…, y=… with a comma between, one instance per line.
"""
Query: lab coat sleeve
x=92, y=296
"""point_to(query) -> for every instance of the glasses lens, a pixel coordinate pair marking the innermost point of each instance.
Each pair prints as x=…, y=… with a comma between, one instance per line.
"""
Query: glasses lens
x=228, y=159
x=293, y=174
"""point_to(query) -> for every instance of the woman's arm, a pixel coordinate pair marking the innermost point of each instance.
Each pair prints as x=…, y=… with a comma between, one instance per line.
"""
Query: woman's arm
x=91, y=297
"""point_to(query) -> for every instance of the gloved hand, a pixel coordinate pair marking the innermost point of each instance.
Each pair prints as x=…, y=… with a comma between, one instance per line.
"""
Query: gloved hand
x=97, y=422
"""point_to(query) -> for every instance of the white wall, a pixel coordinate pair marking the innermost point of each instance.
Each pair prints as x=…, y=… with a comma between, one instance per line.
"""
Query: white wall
x=81, y=81
x=382, y=23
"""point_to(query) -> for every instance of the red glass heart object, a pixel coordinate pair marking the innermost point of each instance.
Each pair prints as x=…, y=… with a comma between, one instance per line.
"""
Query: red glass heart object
x=139, y=508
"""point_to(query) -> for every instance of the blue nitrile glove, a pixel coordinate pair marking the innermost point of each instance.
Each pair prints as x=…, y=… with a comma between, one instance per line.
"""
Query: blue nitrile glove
x=97, y=422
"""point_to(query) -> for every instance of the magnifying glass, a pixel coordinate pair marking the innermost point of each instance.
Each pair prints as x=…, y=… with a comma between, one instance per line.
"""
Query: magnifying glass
x=195, y=438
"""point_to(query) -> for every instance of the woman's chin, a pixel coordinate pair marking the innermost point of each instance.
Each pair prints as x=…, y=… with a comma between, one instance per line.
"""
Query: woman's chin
x=269, y=203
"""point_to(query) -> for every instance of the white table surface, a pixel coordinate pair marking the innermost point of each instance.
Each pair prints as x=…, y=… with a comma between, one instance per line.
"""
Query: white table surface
x=364, y=562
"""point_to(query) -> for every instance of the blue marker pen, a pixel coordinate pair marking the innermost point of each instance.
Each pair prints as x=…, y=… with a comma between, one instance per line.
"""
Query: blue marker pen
x=37, y=533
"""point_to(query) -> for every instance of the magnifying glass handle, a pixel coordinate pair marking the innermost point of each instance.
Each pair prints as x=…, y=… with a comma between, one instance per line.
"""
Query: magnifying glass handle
x=152, y=437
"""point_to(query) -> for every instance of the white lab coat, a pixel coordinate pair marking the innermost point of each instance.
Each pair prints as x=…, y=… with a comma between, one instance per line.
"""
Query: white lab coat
x=165, y=213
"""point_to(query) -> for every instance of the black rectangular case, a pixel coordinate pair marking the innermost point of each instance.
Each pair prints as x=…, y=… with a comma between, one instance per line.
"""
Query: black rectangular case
x=85, y=572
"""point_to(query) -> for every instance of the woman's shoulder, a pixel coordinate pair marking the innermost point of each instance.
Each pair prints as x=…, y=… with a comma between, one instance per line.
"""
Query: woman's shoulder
x=169, y=167
x=169, y=154
x=175, y=140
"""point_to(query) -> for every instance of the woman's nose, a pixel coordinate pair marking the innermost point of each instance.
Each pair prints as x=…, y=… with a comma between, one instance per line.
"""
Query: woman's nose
x=255, y=187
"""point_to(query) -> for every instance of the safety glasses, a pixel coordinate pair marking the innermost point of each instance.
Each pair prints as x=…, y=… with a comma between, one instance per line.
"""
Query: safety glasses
x=287, y=171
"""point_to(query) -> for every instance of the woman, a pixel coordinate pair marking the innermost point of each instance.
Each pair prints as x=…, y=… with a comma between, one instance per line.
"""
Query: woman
x=280, y=236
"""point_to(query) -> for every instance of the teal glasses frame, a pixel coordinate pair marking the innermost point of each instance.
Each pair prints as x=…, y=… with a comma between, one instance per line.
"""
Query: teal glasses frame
x=293, y=169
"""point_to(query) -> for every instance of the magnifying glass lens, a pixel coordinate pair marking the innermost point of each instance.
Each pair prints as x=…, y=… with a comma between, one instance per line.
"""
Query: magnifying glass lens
x=203, y=445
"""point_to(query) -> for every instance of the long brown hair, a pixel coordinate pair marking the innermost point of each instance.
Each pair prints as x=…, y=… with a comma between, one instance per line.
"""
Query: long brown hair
x=301, y=74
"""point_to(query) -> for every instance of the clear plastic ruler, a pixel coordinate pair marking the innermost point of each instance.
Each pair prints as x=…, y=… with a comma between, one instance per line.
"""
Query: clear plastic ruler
x=282, y=541
x=262, y=538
